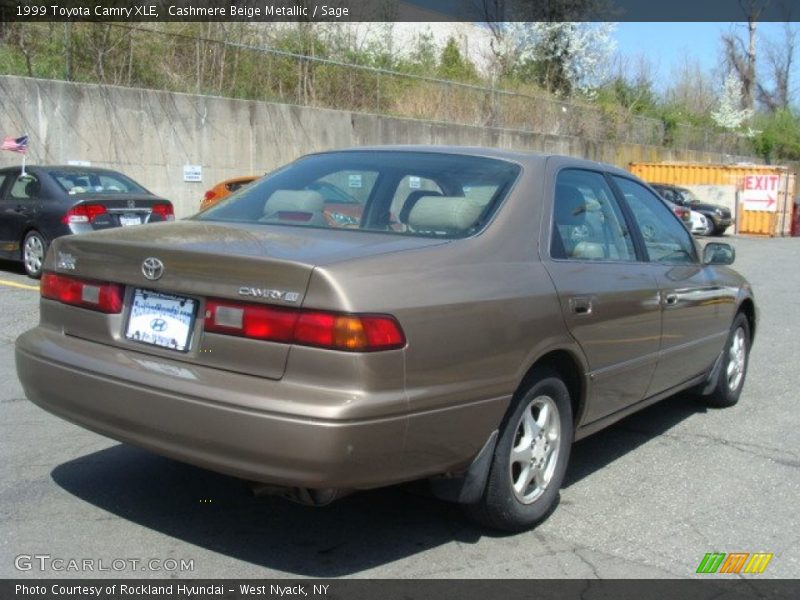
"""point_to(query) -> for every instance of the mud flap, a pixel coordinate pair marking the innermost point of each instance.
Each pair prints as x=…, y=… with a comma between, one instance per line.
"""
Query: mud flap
x=467, y=487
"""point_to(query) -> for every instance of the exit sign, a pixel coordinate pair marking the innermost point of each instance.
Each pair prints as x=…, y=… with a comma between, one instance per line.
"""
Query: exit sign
x=760, y=192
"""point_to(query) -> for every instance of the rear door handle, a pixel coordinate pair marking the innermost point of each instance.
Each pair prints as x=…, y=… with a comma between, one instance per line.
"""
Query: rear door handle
x=580, y=305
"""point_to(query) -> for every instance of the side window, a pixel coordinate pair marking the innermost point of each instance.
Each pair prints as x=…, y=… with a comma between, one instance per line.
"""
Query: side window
x=665, y=237
x=667, y=193
x=24, y=188
x=3, y=178
x=587, y=221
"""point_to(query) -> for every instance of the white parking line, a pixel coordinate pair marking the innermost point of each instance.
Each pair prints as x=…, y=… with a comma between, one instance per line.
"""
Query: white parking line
x=21, y=286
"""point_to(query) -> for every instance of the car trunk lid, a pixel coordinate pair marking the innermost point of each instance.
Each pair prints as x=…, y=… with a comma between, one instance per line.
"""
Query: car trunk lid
x=105, y=211
x=269, y=265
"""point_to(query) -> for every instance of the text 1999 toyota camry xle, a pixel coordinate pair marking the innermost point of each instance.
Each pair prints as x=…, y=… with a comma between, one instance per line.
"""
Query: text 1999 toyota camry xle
x=469, y=315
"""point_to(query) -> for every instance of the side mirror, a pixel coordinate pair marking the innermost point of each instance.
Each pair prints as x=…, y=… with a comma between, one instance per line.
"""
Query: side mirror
x=718, y=253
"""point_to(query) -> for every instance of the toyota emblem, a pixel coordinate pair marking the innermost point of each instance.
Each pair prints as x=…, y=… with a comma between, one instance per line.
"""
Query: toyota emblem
x=152, y=268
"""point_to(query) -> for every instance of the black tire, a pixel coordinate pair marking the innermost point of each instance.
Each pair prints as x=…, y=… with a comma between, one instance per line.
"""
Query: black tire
x=34, y=249
x=501, y=506
x=710, y=228
x=735, y=359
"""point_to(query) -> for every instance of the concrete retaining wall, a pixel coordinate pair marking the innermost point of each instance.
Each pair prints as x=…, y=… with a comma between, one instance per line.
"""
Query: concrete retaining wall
x=150, y=135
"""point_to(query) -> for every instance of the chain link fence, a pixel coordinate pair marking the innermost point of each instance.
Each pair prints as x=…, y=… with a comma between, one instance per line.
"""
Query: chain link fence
x=145, y=57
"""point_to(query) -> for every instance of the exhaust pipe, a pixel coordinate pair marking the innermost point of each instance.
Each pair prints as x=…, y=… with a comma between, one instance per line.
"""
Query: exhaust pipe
x=304, y=496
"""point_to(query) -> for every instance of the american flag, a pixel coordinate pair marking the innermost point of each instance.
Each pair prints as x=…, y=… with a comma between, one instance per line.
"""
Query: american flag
x=13, y=144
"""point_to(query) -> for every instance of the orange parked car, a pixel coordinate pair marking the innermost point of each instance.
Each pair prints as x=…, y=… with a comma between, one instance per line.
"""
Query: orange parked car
x=223, y=189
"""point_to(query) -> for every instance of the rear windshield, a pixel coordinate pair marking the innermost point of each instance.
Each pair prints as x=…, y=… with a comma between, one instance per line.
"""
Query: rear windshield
x=76, y=182
x=407, y=193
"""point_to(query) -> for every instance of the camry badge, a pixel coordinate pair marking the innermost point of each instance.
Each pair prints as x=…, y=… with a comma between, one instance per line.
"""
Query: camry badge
x=269, y=294
x=152, y=268
x=65, y=261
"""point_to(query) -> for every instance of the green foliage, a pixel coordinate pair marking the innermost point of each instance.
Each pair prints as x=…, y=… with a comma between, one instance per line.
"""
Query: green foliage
x=777, y=136
x=637, y=98
x=223, y=59
x=452, y=65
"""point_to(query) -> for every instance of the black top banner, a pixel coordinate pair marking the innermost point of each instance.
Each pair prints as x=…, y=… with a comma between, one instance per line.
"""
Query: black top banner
x=425, y=11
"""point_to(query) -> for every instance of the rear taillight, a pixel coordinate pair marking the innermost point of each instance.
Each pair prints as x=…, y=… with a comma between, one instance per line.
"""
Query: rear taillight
x=209, y=195
x=164, y=210
x=94, y=295
x=83, y=213
x=356, y=333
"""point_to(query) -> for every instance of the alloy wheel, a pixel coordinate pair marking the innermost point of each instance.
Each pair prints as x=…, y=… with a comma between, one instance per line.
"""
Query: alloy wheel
x=33, y=253
x=534, y=453
x=737, y=357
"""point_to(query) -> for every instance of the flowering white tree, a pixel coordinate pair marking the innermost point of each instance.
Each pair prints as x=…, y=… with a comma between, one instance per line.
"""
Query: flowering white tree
x=568, y=56
x=728, y=115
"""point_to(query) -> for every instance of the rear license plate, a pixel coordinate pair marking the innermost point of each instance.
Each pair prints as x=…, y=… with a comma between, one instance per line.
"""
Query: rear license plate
x=126, y=220
x=161, y=320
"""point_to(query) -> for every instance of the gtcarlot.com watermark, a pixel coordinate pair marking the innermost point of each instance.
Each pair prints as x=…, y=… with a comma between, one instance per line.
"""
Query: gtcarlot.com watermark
x=48, y=563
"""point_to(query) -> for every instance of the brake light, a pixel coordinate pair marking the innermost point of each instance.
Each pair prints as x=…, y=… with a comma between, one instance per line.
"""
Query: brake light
x=250, y=320
x=209, y=195
x=94, y=295
x=164, y=210
x=336, y=331
x=83, y=213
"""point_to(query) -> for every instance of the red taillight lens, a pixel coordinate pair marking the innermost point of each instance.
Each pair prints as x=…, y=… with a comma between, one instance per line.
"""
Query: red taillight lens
x=357, y=333
x=83, y=213
x=250, y=320
x=164, y=210
x=94, y=295
x=209, y=195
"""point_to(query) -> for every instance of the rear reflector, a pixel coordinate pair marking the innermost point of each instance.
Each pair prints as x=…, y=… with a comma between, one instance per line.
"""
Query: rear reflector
x=356, y=333
x=83, y=213
x=102, y=297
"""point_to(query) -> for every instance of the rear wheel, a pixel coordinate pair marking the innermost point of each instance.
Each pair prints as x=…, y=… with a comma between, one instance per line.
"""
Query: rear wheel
x=34, y=248
x=709, y=229
x=733, y=369
x=530, y=458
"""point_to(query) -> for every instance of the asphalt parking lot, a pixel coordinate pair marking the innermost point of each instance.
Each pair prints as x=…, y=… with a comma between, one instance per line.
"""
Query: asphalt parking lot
x=646, y=498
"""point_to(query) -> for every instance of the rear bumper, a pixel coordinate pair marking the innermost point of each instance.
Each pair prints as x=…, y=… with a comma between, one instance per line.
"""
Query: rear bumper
x=227, y=422
x=721, y=223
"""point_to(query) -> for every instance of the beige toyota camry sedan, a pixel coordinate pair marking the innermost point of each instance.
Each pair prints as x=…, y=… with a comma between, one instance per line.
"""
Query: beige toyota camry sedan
x=372, y=316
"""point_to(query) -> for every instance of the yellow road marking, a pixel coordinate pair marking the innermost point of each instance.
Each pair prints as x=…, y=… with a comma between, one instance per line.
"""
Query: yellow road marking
x=22, y=286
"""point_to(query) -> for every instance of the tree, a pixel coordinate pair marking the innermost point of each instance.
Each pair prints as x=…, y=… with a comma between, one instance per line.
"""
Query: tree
x=729, y=115
x=562, y=57
x=693, y=92
x=452, y=65
x=509, y=23
x=741, y=57
x=779, y=60
x=777, y=136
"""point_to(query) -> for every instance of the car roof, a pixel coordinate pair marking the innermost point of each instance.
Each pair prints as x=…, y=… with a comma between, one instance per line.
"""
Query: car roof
x=517, y=156
x=63, y=168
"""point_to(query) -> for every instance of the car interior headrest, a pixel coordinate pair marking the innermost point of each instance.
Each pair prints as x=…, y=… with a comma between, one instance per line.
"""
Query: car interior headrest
x=588, y=250
x=444, y=213
x=307, y=201
x=411, y=202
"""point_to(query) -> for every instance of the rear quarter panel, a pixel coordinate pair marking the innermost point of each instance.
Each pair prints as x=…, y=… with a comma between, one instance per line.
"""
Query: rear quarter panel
x=476, y=312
